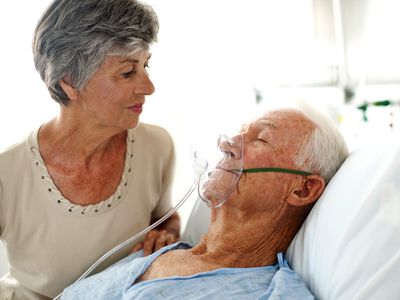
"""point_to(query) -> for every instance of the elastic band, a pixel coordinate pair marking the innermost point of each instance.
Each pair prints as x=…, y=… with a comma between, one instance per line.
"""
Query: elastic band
x=282, y=261
x=279, y=170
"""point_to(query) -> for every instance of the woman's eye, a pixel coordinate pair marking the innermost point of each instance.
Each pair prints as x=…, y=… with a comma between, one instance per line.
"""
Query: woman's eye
x=128, y=74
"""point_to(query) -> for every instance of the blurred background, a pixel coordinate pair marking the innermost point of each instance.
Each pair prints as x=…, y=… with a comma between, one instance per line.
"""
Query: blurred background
x=220, y=62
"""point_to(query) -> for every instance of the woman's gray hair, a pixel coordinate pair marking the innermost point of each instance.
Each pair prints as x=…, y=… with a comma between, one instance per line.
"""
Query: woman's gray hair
x=325, y=149
x=73, y=37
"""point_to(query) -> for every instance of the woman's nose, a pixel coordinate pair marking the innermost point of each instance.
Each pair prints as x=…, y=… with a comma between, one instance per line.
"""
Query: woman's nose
x=145, y=86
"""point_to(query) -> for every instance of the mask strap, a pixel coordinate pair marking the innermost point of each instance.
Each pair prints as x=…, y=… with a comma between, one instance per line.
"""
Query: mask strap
x=278, y=170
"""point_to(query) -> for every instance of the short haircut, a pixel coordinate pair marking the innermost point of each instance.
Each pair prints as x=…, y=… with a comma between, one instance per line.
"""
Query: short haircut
x=325, y=149
x=73, y=38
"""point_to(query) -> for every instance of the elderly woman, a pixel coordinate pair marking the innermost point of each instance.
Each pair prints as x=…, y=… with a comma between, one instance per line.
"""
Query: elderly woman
x=93, y=176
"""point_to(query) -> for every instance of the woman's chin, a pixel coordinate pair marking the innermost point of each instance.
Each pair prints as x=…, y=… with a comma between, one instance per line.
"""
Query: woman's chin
x=132, y=124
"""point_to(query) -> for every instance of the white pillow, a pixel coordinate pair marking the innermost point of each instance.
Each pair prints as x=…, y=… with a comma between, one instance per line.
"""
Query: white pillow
x=349, y=246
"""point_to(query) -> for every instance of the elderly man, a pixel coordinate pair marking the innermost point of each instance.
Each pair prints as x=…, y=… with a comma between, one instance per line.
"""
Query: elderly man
x=288, y=157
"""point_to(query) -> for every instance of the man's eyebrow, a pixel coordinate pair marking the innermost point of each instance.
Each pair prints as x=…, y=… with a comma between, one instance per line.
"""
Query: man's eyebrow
x=267, y=123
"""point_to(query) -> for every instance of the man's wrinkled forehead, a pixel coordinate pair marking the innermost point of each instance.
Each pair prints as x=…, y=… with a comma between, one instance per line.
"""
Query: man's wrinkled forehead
x=277, y=118
x=261, y=122
x=281, y=127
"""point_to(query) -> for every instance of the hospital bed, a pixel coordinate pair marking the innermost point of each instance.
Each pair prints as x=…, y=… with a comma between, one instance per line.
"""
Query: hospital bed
x=349, y=246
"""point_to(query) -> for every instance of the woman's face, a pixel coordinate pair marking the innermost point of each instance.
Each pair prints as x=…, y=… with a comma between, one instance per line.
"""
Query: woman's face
x=115, y=95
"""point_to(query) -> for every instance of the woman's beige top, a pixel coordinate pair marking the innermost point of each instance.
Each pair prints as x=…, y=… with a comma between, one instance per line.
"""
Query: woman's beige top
x=50, y=241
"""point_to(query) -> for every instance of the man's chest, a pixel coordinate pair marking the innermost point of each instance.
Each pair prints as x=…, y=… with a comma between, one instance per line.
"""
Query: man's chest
x=175, y=263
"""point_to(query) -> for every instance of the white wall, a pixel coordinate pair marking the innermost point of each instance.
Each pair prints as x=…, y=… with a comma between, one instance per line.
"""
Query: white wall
x=24, y=99
x=370, y=28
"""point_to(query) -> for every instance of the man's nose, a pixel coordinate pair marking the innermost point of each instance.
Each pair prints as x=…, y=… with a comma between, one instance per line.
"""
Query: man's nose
x=231, y=146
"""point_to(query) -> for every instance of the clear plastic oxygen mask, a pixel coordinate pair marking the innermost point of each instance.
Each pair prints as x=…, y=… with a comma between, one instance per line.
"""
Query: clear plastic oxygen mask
x=225, y=166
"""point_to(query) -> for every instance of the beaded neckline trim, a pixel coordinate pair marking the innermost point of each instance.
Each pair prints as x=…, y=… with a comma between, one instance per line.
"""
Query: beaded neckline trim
x=91, y=208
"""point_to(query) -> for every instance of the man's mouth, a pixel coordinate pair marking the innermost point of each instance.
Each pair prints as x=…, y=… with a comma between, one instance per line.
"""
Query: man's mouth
x=233, y=171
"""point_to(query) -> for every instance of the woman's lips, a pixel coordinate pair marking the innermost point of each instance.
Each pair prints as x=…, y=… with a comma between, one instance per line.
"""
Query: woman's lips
x=137, y=108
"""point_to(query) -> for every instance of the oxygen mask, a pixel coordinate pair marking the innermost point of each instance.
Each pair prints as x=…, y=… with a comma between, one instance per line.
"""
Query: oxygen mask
x=225, y=165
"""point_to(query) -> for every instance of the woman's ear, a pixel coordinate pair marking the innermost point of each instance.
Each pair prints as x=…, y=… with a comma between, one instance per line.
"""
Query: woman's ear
x=309, y=190
x=71, y=92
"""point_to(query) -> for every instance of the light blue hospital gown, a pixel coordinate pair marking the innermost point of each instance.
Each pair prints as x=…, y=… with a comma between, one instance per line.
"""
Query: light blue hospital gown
x=270, y=282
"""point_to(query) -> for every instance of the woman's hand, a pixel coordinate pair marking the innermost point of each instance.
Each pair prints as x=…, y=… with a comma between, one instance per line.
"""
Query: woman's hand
x=165, y=234
x=155, y=240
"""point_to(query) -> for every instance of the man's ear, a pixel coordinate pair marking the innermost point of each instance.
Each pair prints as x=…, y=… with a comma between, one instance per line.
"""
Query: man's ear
x=308, y=191
x=71, y=92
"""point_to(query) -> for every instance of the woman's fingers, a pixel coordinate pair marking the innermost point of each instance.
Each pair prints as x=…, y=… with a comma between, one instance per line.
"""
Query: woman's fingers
x=155, y=240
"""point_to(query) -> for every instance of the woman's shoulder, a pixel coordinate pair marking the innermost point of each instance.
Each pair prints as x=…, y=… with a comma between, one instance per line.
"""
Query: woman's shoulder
x=16, y=159
x=16, y=151
x=151, y=140
x=151, y=132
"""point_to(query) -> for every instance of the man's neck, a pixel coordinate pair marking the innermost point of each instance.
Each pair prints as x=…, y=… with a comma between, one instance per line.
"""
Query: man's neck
x=245, y=244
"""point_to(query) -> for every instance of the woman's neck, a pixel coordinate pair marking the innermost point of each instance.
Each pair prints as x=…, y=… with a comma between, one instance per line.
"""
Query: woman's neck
x=68, y=136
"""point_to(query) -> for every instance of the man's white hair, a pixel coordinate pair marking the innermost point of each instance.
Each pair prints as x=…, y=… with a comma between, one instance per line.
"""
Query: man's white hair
x=325, y=149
